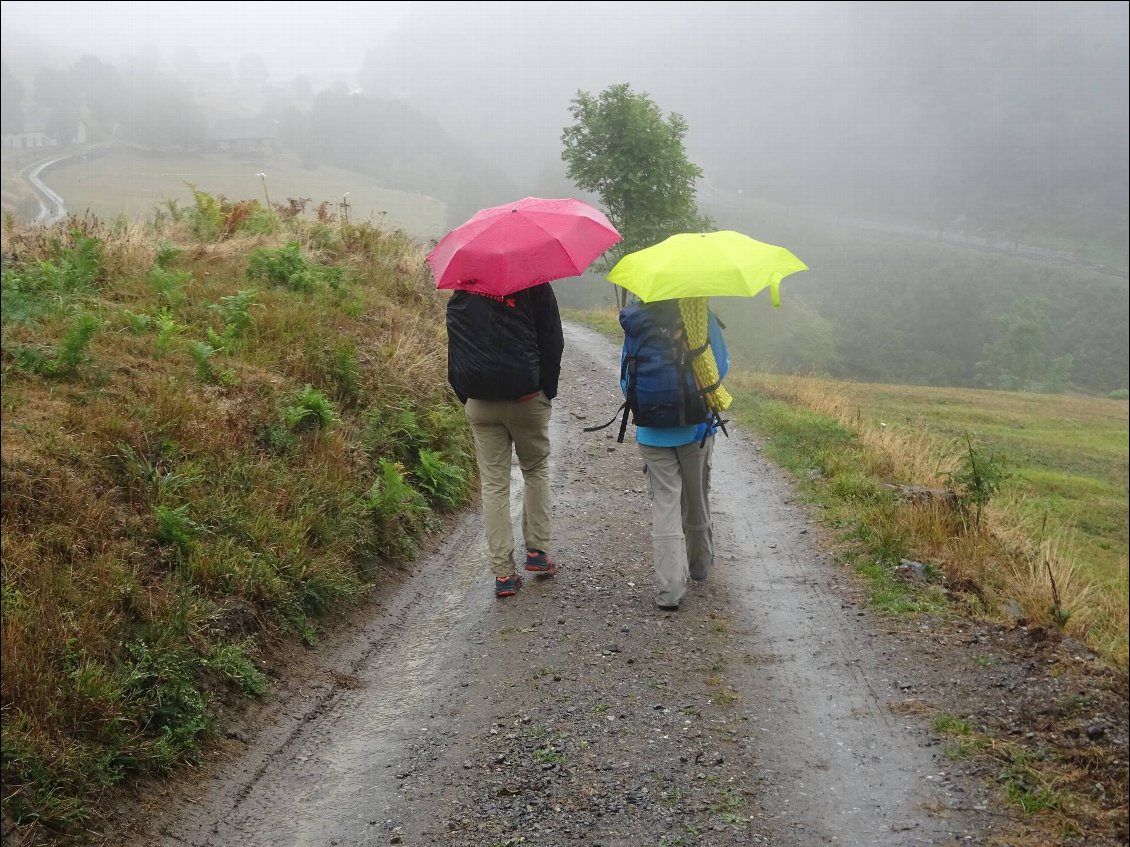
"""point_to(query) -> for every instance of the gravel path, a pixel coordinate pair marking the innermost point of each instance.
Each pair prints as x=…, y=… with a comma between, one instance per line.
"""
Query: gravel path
x=579, y=713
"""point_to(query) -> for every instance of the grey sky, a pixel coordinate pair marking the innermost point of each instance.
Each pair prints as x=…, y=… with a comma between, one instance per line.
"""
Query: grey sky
x=288, y=36
x=839, y=99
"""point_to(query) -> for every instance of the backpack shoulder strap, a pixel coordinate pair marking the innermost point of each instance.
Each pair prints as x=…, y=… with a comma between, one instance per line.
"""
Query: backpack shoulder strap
x=628, y=376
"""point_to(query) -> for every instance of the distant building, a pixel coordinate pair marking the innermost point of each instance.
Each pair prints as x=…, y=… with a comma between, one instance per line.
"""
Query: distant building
x=34, y=133
x=244, y=135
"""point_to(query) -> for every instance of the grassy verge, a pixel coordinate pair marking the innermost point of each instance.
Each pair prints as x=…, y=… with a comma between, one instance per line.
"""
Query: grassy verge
x=1012, y=505
x=215, y=429
x=1010, y=547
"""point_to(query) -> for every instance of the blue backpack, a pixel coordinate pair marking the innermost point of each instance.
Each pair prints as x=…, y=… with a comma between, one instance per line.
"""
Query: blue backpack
x=656, y=369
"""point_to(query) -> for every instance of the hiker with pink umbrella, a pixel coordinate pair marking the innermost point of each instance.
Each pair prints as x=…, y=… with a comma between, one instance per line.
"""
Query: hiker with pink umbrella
x=505, y=344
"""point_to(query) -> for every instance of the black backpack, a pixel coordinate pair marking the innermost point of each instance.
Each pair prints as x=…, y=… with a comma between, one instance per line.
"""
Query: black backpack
x=492, y=348
x=656, y=369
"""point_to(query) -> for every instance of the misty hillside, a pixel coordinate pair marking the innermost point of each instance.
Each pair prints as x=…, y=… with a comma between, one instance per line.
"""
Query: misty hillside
x=1007, y=119
x=953, y=174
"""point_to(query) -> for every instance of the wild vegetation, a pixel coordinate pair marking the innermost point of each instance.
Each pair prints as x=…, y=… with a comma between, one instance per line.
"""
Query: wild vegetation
x=1012, y=505
x=1033, y=526
x=216, y=428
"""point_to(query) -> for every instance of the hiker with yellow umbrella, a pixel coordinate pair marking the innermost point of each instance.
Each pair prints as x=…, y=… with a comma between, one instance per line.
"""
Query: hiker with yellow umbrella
x=672, y=365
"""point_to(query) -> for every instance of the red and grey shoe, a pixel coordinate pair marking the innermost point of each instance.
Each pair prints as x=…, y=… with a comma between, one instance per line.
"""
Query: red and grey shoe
x=537, y=561
x=504, y=586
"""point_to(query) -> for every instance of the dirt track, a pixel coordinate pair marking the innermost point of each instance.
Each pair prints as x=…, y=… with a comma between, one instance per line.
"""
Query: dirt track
x=771, y=709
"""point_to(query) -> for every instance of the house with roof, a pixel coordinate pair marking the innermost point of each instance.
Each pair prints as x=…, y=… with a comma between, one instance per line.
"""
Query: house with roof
x=35, y=132
x=244, y=135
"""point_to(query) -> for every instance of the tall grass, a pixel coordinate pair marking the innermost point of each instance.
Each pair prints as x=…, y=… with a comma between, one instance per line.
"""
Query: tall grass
x=215, y=457
x=1006, y=563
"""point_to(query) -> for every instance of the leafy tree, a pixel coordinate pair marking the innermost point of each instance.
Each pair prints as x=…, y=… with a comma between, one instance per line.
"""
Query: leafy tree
x=102, y=88
x=301, y=86
x=53, y=89
x=12, y=101
x=1018, y=360
x=622, y=149
x=164, y=116
x=252, y=70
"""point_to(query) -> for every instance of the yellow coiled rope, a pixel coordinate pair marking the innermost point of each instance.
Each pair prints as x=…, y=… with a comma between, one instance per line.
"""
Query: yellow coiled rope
x=694, y=313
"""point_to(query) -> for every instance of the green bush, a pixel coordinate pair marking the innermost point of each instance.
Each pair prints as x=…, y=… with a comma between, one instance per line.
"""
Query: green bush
x=310, y=410
x=53, y=285
x=170, y=285
x=398, y=511
x=206, y=215
x=285, y=266
x=445, y=484
x=981, y=474
x=68, y=356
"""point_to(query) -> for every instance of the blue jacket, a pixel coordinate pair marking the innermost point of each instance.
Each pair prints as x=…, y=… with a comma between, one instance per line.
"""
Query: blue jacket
x=674, y=436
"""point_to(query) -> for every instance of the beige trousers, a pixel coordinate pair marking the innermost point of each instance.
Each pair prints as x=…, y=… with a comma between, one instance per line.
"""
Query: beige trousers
x=502, y=429
x=682, y=537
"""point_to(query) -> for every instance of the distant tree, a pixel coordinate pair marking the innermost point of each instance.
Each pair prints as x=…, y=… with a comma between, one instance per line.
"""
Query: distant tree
x=54, y=88
x=102, y=89
x=622, y=149
x=186, y=62
x=11, y=101
x=1018, y=361
x=164, y=117
x=252, y=70
x=301, y=86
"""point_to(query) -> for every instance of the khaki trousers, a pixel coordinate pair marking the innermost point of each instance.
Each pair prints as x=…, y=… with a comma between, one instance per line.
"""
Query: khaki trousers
x=682, y=536
x=501, y=429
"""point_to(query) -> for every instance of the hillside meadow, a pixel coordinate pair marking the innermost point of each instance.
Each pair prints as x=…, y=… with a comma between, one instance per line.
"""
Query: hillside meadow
x=109, y=182
x=1013, y=504
x=216, y=429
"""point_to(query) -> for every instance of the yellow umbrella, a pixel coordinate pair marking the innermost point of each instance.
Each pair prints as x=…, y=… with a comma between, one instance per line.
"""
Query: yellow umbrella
x=692, y=266
x=705, y=264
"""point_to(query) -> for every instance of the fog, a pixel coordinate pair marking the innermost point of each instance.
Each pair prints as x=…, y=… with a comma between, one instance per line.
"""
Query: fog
x=999, y=127
x=291, y=37
x=909, y=108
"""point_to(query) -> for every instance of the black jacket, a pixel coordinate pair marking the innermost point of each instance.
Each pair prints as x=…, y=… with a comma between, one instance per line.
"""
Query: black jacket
x=504, y=348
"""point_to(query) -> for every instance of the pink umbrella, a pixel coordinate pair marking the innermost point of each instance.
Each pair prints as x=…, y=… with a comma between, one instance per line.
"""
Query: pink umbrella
x=506, y=248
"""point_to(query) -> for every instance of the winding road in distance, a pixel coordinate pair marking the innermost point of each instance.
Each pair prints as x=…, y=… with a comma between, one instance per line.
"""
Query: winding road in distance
x=51, y=205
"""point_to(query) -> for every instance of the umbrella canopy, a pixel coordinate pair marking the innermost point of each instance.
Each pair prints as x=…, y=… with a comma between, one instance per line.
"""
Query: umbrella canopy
x=506, y=248
x=705, y=264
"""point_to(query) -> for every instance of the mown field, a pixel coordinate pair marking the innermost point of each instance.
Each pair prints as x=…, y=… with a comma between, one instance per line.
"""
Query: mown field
x=134, y=184
x=1052, y=540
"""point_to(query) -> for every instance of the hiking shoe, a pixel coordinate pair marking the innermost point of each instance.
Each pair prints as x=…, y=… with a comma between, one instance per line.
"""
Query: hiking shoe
x=504, y=586
x=673, y=608
x=538, y=562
